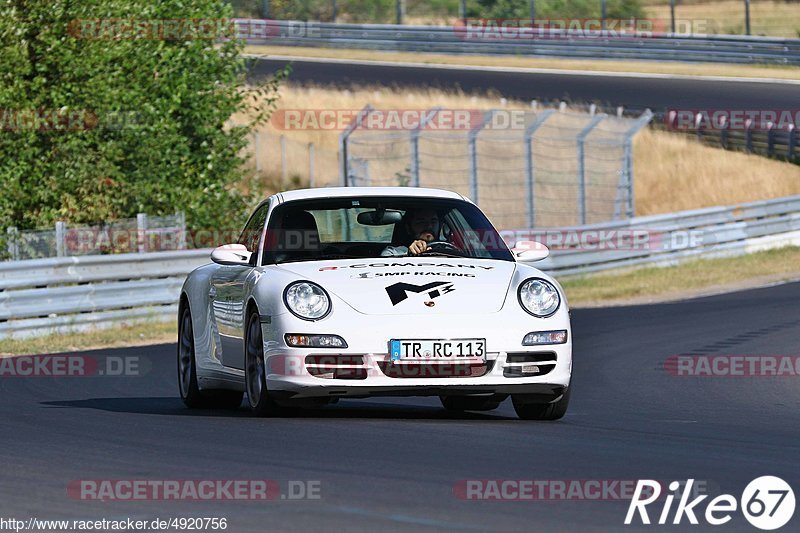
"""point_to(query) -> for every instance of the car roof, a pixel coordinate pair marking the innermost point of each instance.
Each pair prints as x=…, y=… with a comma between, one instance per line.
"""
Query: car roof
x=345, y=192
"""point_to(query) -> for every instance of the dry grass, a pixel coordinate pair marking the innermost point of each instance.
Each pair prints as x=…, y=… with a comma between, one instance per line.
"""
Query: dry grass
x=119, y=336
x=672, y=171
x=693, y=278
x=777, y=19
x=589, y=65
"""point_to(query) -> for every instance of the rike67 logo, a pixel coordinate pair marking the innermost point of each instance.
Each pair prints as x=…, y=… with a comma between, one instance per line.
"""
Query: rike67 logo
x=767, y=503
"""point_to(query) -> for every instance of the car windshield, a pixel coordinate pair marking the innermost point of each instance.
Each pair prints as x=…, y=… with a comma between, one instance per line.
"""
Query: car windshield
x=343, y=228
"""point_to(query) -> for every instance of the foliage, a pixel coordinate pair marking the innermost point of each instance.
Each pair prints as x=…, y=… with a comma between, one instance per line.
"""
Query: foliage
x=136, y=124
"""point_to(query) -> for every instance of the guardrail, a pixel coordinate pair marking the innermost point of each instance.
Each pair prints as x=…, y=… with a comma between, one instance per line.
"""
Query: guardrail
x=72, y=293
x=62, y=294
x=662, y=240
x=564, y=43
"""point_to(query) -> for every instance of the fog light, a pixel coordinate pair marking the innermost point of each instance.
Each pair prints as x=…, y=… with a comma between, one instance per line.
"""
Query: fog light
x=538, y=338
x=529, y=369
x=299, y=340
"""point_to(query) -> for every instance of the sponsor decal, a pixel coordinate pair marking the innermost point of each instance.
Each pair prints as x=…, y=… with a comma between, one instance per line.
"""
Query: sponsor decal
x=372, y=275
x=406, y=265
x=399, y=291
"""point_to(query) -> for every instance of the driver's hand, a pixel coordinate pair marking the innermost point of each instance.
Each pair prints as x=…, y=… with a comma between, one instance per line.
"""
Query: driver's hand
x=417, y=247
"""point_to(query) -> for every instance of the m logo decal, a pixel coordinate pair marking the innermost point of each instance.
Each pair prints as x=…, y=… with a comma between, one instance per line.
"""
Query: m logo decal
x=399, y=291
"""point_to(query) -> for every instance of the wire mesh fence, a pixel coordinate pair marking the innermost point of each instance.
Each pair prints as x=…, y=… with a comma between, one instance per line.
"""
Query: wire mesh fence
x=527, y=169
x=141, y=234
x=290, y=163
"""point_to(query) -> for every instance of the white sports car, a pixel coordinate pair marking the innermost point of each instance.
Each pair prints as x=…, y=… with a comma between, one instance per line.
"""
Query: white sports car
x=380, y=291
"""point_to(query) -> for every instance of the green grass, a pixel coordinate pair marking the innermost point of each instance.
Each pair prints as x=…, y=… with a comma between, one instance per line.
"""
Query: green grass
x=692, y=277
x=135, y=335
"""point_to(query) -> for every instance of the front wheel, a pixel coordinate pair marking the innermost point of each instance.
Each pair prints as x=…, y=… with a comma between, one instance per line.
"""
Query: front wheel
x=527, y=410
x=255, y=370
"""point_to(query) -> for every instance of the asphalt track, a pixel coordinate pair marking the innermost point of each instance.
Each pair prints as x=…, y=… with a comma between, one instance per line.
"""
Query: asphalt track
x=391, y=464
x=638, y=93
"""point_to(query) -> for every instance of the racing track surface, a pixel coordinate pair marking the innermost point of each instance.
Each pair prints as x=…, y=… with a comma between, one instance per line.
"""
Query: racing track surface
x=392, y=463
x=632, y=92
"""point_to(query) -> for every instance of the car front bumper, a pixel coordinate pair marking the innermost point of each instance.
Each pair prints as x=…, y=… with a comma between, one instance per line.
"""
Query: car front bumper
x=290, y=376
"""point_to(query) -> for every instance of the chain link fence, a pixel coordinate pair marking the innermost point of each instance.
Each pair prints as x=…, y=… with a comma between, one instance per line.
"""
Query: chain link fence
x=144, y=233
x=526, y=169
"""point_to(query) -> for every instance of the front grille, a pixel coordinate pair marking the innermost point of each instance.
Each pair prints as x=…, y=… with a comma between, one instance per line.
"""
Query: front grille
x=336, y=366
x=529, y=357
x=437, y=370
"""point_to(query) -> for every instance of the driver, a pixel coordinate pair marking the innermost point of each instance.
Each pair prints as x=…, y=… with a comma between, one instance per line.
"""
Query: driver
x=423, y=226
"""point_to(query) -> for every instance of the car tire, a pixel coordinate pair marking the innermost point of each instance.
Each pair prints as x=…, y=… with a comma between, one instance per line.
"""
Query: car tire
x=528, y=410
x=261, y=404
x=471, y=403
x=189, y=390
x=187, y=366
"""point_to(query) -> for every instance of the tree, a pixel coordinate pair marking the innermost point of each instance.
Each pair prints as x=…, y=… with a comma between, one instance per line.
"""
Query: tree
x=113, y=107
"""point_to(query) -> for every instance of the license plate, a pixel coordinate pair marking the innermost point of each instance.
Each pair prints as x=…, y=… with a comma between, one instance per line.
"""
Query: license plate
x=437, y=350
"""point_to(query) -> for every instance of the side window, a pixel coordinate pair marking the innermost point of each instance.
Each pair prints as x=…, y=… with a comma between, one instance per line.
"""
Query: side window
x=252, y=230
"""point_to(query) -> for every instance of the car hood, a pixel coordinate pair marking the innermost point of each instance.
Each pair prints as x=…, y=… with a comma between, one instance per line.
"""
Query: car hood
x=410, y=285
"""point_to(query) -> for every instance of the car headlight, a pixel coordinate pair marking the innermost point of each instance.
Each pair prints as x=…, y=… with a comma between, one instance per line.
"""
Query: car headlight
x=539, y=297
x=307, y=300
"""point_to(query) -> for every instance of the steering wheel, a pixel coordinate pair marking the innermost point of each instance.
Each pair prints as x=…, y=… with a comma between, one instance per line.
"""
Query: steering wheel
x=443, y=246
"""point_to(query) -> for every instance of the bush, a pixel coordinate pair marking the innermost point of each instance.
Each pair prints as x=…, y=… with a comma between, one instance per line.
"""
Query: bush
x=152, y=132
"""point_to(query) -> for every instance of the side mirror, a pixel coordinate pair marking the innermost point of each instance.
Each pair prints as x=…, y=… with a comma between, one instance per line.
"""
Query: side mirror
x=231, y=254
x=530, y=251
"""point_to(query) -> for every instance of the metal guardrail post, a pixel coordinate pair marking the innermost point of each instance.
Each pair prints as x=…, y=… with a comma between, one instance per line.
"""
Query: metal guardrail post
x=141, y=232
x=284, y=170
x=472, y=137
x=770, y=139
x=748, y=135
x=792, y=141
x=603, y=14
x=415, y=143
x=529, y=170
x=723, y=133
x=747, y=16
x=626, y=176
x=257, y=152
x=581, y=139
x=12, y=243
x=311, y=165
x=181, y=216
x=343, y=138
x=60, y=239
x=672, y=15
